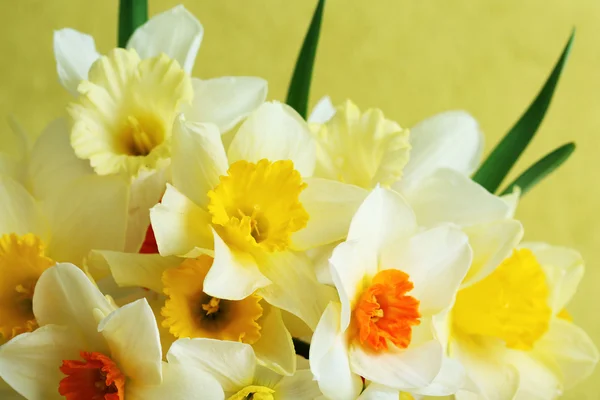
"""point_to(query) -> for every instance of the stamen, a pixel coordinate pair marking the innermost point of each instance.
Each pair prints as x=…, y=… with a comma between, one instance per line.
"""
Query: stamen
x=212, y=306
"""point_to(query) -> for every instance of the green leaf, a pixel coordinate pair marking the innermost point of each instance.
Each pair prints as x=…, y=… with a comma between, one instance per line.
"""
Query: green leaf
x=498, y=164
x=300, y=84
x=542, y=168
x=132, y=14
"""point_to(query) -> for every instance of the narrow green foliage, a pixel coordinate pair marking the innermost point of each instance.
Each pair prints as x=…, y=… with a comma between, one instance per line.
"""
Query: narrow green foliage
x=542, y=168
x=132, y=14
x=498, y=164
x=300, y=84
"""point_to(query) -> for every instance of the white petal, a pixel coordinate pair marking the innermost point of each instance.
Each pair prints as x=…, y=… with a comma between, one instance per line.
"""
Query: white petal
x=175, y=32
x=414, y=367
x=536, y=380
x=294, y=286
x=448, y=381
x=491, y=242
x=436, y=261
x=53, y=164
x=75, y=52
x=512, y=199
x=330, y=206
x=573, y=351
x=320, y=258
x=131, y=269
x=90, y=213
x=180, y=225
x=275, y=132
x=64, y=295
x=132, y=336
x=299, y=386
x=375, y=391
x=30, y=362
x=275, y=348
x=450, y=139
x=198, y=159
x=448, y=196
x=180, y=382
x=20, y=213
x=564, y=270
x=383, y=218
x=322, y=111
x=232, y=364
x=225, y=101
x=234, y=275
x=329, y=358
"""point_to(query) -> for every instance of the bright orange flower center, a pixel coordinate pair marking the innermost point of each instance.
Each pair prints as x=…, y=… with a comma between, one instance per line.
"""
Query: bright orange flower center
x=385, y=313
x=95, y=378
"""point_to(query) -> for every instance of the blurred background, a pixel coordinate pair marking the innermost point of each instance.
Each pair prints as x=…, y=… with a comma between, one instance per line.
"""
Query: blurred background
x=411, y=58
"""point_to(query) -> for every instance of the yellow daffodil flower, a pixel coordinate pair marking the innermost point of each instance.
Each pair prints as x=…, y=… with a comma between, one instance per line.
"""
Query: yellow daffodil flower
x=392, y=280
x=86, y=348
x=236, y=368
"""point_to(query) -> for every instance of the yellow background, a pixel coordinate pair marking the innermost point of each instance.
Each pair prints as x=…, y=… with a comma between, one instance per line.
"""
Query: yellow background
x=411, y=58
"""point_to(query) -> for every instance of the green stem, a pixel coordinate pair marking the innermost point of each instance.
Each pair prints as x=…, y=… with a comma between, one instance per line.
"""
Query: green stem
x=132, y=14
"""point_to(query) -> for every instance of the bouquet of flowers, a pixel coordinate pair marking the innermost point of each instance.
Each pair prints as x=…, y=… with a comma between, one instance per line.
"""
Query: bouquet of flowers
x=182, y=238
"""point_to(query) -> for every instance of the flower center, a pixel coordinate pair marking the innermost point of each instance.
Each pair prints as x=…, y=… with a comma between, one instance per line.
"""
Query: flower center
x=97, y=377
x=245, y=210
x=510, y=304
x=254, y=393
x=189, y=312
x=22, y=261
x=385, y=313
x=123, y=119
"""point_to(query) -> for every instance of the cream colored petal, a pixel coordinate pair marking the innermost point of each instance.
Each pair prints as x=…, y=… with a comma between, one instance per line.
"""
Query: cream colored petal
x=330, y=206
x=564, y=270
x=411, y=368
x=64, y=295
x=198, y=159
x=448, y=196
x=322, y=111
x=232, y=364
x=294, y=286
x=536, y=381
x=375, y=391
x=8, y=393
x=30, y=362
x=180, y=225
x=131, y=269
x=448, y=381
x=53, y=164
x=571, y=349
x=146, y=189
x=450, y=139
x=20, y=213
x=436, y=260
x=132, y=336
x=275, y=132
x=491, y=242
x=512, y=200
x=320, y=258
x=90, y=213
x=180, y=382
x=275, y=348
x=225, y=101
x=175, y=32
x=75, y=52
x=329, y=358
x=233, y=275
x=300, y=386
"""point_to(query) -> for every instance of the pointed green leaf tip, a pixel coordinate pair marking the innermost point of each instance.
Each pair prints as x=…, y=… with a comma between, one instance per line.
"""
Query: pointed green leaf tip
x=542, y=168
x=132, y=14
x=300, y=84
x=498, y=164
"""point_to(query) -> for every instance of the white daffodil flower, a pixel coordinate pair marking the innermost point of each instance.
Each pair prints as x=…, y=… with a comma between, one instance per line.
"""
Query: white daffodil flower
x=511, y=332
x=86, y=348
x=234, y=365
x=185, y=310
x=252, y=208
x=392, y=280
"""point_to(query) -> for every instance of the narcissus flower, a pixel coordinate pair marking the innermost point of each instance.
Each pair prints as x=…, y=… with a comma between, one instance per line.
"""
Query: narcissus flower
x=252, y=207
x=88, y=349
x=185, y=310
x=392, y=281
x=236, y=368
x=511, y=332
